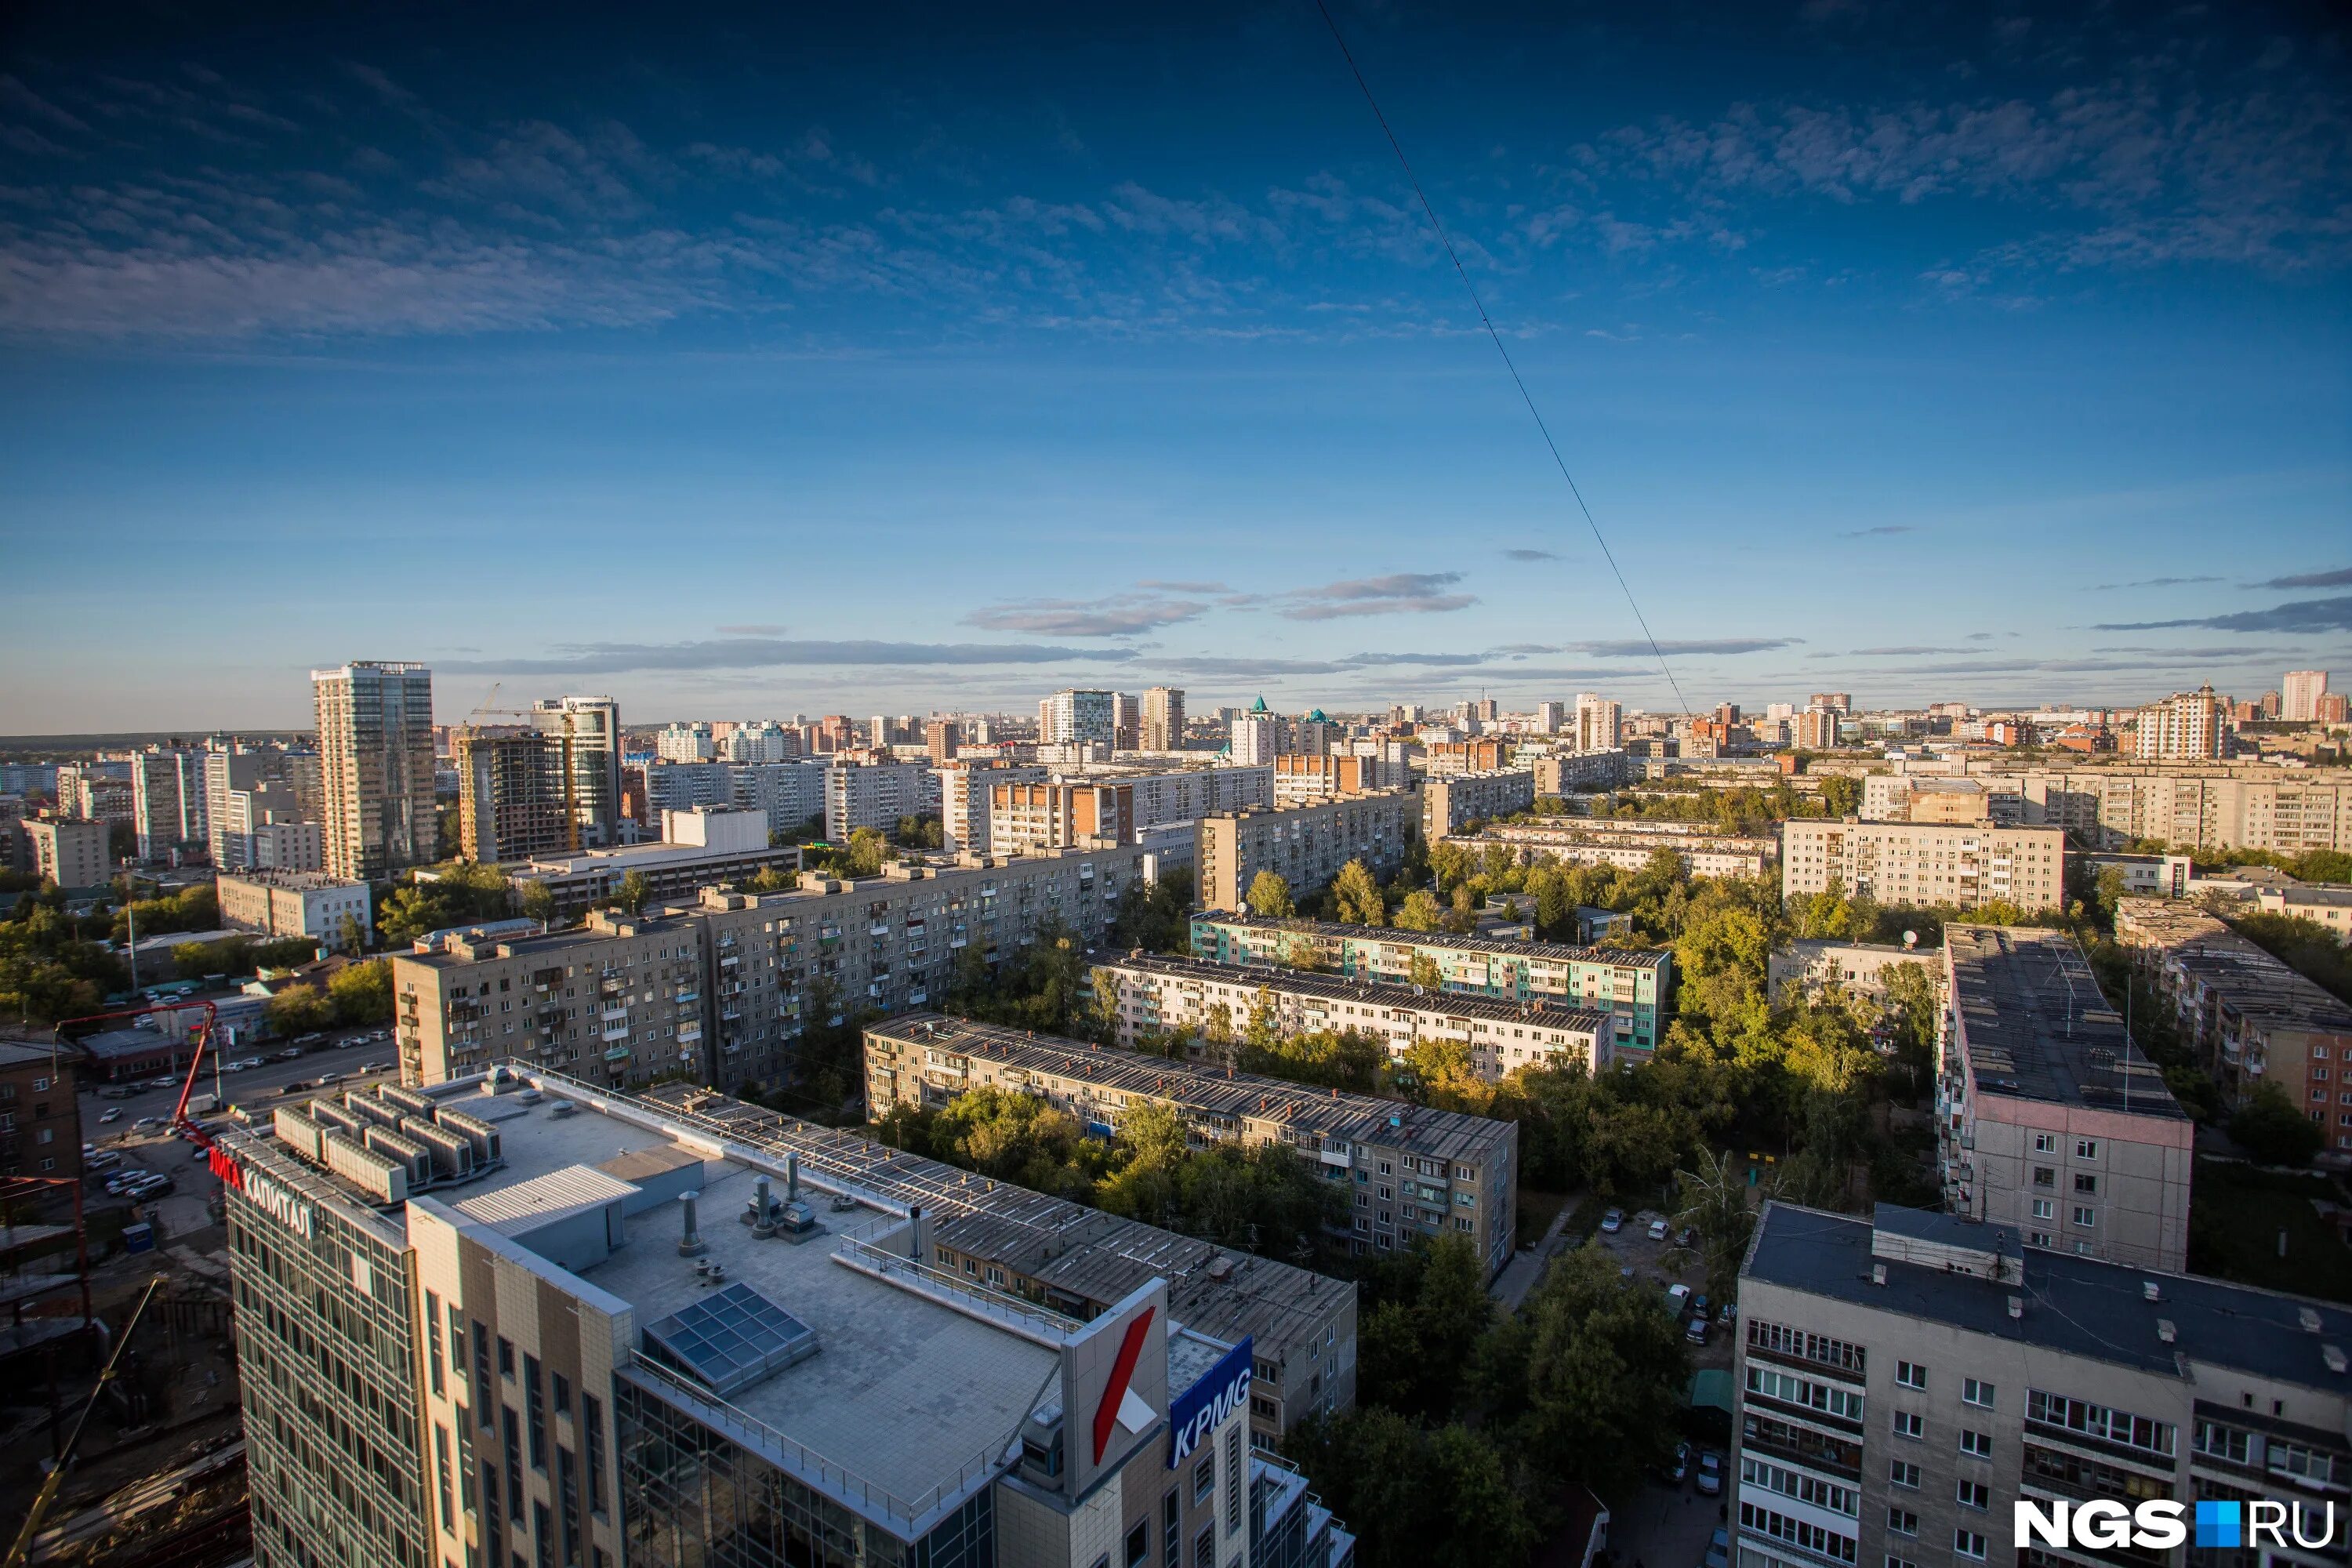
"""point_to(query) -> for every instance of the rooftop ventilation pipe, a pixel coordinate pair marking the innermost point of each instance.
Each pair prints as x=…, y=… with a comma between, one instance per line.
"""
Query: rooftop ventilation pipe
x=690, y=1243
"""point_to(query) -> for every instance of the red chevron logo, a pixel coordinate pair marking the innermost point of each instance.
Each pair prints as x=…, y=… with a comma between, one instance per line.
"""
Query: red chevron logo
x=1116, y=1395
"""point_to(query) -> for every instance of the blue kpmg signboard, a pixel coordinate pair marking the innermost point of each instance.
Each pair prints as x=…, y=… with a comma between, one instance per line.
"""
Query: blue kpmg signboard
x=1202, y=1408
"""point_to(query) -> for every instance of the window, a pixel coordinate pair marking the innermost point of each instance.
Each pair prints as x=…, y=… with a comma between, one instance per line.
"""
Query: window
x=2041, y=1238
x=1972, y=1494
x=1793, y=1390
x=1902, y=1473
x=2087, y=1148
x=1910, y=1374
x=1755, y=1472
x=480, y=1373
x=442, y=1466
x=1910, y=1424
x=1204, y=1547
x=1138, y=1544
x=2087, y=1186
x=1901, y=1521
x=1171, y=1545
x=1975, y=1444
x=2304, y=1464
x=1799, y=1532
x=432, y=1342
x=1895, y=1561
x=2086, y=1216
x=1237, y=1480
x=2099, y=1421
x=567, y=1499
x=535, y=1406
x=490, y=1506
x=1781, y=1339
x=506, y=1358
x=2220, y=1442
x=542, y=1545
x=514, y=1464
x=2045, y=1143
x=562, y=1394
x=1204, y=1477
x=2045, y=1176
x=592, y=1438
x=1969, y=1544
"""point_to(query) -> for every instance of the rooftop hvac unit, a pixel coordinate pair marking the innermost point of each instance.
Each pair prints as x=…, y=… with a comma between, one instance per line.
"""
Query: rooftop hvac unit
x=380, y=1176
x=474, y=1130
x=299, y=1133
x=453, y=1153
x=411, y=1154
x=370, y=1111
x=329, y=1115
x=408, y=1100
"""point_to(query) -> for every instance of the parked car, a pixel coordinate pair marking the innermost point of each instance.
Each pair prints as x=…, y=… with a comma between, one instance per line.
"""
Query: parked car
x=290, y=1053
x=164, y=1082
x=1678, y=1298
x=345, y=1045
x=1729, y=1311
x=251, y=1062
x=297, y=1087
x=149, y=1123
x=232, y=1067
x=1657, y=1230
x=1697, y=1332
x=113, y=1113
x=116, y=1091
x=157, y=1187
x=1687, y=1237
x=1613, y=1221
x=311, y=1039
x=1718, y=1549
x=104, y=1160
x=327, y=1080
x=1699, y=1304
x=1673, y=1471
x=199, y=1154
x=1710, y=1474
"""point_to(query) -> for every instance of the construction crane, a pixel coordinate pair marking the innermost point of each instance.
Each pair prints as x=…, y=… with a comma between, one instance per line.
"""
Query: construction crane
x=223, y=1166
x=57, y=1477
x=485, y=708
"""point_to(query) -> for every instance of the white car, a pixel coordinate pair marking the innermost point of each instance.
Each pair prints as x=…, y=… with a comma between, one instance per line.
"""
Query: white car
x=1657, y=1230
x=232, y=1067
x=149, y=1123
x=113, y=1114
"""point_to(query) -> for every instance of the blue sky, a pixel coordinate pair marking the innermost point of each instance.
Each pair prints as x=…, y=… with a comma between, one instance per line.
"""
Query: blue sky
x=900, y=358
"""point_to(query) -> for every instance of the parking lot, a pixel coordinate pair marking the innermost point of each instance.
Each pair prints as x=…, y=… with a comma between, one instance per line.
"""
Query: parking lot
x=1666, y=1524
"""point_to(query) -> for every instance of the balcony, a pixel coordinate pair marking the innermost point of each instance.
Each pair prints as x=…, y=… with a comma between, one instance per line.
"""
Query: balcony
x=614, y=1014
x=614, y=1032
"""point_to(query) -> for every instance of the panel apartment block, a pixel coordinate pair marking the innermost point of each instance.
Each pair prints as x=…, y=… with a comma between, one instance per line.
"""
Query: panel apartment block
x=1158, y=997
x=1581, y=842
x=2049, y=1121
x=1924, y=862
x=1631, y=986
x=1905, y=1380
x=1304, y=845
x=521, y=1320
x=1408, y=1170
x=722, y=985
x=1452, y=803
x=2251, y=1019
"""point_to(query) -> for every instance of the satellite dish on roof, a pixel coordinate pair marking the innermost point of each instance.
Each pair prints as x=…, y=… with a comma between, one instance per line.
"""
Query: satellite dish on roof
x=1910, y=939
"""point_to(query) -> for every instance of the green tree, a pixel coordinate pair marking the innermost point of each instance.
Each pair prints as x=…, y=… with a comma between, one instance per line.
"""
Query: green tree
x=1840, y=794
x=1421, y=969
x=361, y=993
x=1269, y=897
x=1450, y=1498
x=1420, y=911
x=1605, y=1372
x=537, y=903
x=1715, y=1208
x=1356, y=897
x=299, y=1010
x=634, y=891
x=2270, y=1128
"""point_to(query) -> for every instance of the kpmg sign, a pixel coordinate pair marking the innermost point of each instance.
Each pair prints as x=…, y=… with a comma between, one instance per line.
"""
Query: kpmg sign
x=1203, y=1407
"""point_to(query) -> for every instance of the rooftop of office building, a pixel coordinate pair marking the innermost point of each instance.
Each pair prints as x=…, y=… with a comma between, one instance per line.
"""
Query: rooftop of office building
x=1337, y=988
x=1939, y=1269
x=2038, y=1027
x=917, y=1382
x=1324, y=1113
x=1651, y=958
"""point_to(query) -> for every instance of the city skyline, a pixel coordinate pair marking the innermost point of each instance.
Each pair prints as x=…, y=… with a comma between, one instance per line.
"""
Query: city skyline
x=910, y=361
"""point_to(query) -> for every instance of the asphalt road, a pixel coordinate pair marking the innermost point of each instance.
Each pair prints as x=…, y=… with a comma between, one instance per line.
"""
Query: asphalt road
x=344, y=1052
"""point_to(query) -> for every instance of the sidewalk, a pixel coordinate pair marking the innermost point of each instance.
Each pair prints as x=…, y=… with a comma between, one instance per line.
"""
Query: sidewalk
x=1519, y=1275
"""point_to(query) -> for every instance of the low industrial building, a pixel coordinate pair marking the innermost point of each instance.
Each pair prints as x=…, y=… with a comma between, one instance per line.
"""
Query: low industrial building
x=295, y=903
x=1631, y=986
x=1808, y=967
x=701, y=847
x=570, y=1326
x=1160, y=996
x=1409, y=1170
x=2050, y=1122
